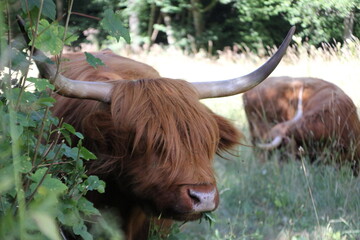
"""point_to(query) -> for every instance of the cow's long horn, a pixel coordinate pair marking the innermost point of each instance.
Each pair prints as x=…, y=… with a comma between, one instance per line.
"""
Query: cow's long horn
x=299, y=110
x=285, y=125
x=272, y=145
x=238, y=85
x=100, y=91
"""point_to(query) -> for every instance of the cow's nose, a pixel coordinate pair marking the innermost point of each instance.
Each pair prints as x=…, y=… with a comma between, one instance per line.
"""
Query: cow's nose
x=204, y=198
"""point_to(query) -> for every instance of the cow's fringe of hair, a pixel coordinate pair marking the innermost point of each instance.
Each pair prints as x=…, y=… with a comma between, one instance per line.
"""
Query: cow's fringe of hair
x=171, y=129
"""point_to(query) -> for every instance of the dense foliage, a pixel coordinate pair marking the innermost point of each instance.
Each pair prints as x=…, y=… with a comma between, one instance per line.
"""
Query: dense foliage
x=215, y=24
x=43, y=179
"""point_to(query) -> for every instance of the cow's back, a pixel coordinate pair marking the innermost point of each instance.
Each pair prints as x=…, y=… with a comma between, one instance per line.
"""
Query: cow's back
x=115, y=67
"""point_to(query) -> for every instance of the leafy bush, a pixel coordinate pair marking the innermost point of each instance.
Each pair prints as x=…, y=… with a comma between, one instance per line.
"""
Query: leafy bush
x=43, y=179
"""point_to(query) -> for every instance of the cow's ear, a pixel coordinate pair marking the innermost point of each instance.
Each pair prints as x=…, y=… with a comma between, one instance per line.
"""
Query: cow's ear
x=230, y=136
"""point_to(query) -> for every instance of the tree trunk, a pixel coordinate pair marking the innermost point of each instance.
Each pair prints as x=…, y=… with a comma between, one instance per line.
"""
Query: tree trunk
x=155, y=32
x=134, y=25
x=198, y=11
x=197, y=17
x=349, y=26
x=151, y=19
x=169, y=30
x=59, y=8
x=151, y=32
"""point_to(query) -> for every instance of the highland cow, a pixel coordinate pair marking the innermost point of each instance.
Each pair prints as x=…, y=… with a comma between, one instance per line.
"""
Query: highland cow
x=154, y=139
x=304, y=112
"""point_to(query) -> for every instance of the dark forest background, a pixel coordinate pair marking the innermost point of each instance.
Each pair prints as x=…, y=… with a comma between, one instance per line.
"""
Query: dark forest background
x=215, y=24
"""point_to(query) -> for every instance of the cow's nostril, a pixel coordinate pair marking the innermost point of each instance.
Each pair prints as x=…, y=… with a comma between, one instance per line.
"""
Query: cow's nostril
x=203, y=201
x=194, y=196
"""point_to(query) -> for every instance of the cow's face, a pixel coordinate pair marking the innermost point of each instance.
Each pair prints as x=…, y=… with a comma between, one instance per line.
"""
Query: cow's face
x=168, y=139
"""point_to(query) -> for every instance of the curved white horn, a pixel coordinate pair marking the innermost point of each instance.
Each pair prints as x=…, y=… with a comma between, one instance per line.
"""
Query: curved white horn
x=299, y=110
x=285, y=125
x=272, y=145
x=100, y=91
x=238, y=85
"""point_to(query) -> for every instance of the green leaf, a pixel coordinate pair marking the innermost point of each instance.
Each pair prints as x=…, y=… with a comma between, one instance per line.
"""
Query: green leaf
x=70, y=39
x=86, y=154
x=79, y=135
x=81, y=229
x=93, y=61
x=16, y=132
x=68, y=214
x=41, y=84
x=72, y=130
x=49, y=39
x=37, y=176
x=54, y=185
x=69, y=36
x=28, y=98
x=66, y=135
x=112, y=23
x=48, y=9
x=18, y=60
x=46, y=101
x=49, y=184
x=71, y=152
x=25, y=164
x=87, y=207
x=94, y=183
x=24, y=120
x=209, y=217
x=69, y=127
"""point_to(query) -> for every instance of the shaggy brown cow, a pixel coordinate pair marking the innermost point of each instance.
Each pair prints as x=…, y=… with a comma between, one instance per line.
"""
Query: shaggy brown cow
x=326, y=118
x=154, y=139
x=154, y=142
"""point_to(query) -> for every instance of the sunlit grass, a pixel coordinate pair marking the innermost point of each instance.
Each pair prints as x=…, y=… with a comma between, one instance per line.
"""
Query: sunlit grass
x=271, y=200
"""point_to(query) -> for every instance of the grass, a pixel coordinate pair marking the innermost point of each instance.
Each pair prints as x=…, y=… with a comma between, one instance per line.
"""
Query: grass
x=272, y=200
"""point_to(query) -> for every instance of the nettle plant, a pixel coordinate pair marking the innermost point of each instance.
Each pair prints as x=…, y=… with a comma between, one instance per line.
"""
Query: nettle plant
x=43, y=180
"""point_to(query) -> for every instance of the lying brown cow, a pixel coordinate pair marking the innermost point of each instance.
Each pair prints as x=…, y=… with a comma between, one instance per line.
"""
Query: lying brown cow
x=325, y=118
x=154, y=139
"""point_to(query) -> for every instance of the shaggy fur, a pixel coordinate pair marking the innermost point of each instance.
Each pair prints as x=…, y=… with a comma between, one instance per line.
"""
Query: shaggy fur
x=154, y=141
x=329, y=116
